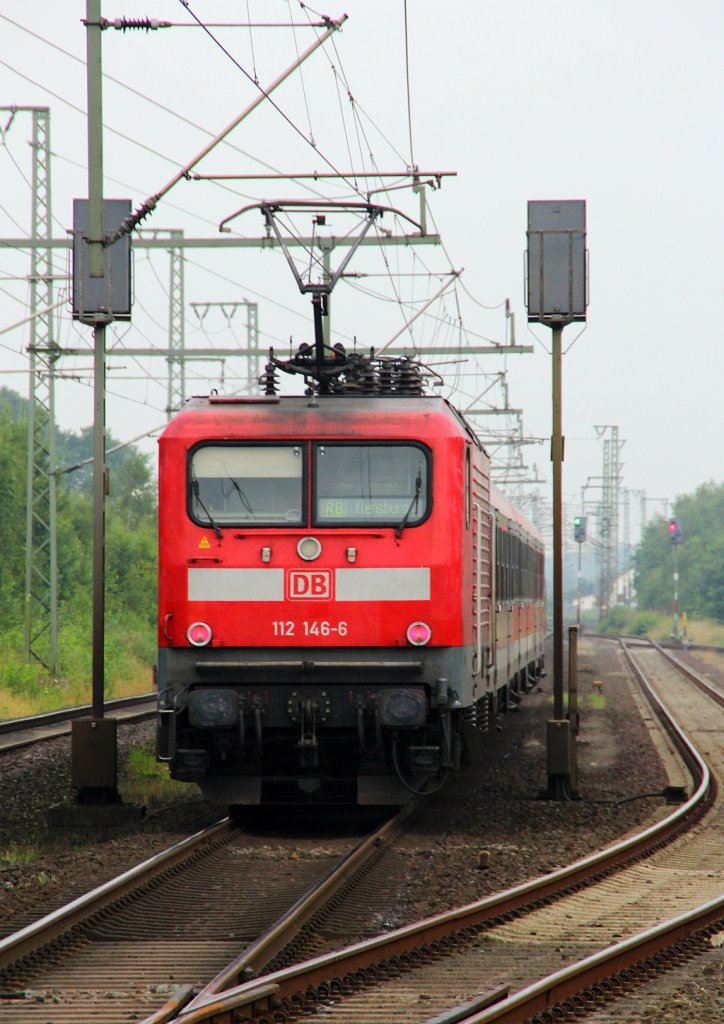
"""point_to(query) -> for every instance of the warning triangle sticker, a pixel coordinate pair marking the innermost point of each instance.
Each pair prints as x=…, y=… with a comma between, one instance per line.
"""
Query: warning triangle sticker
x=204, y=542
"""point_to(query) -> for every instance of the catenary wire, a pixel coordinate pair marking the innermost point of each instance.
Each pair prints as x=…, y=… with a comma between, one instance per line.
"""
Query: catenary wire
x=304, y=88
x=310, y=142
x=389, y=270
x=407, y=79
x=157, y=105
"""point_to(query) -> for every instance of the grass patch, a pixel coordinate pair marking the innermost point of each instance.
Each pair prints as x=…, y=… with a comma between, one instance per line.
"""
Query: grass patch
x=22, y=855
x=660, y=626
x=706, y=631
x=16, y=854
x=145, y=781
x=27, y=688
x=595, y=701
x=33, y=691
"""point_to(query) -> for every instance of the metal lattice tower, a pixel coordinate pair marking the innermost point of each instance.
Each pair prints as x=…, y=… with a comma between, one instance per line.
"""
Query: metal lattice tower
x=511, y=472
x=252, y=333
x=176, y=328
x=177, y=355
x=627, y=559
x=608, y=518
x=253, y=355
x=41, y=561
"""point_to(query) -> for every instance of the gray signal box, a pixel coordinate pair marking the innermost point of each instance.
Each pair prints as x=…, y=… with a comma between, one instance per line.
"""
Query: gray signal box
x=556, y=281
x=109, y=297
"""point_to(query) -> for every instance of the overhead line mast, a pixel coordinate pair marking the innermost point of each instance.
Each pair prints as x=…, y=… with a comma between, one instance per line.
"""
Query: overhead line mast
x=41, y=554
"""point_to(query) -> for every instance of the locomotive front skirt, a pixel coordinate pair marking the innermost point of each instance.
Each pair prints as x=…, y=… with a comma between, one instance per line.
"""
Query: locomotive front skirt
x=344, y=606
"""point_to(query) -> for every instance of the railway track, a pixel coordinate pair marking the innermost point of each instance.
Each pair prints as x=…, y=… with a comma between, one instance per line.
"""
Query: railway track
x=707, y=686
x=177, y=920
x=23, y=732
x=612, y=918
x=414, y=974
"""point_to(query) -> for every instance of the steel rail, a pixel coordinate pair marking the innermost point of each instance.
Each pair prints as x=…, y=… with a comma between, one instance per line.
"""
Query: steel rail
x=279, y=935
x=694, y=761
x=698, y=680
x=51, y=927
x=616, y=637
x=60, y=923
x=566, y=991
x=568, y=983
x=255, y=995
x=23, y=732
x=66, y=714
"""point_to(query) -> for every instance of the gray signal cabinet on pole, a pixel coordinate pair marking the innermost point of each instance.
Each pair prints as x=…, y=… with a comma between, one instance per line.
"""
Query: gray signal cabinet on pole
x=104, y=298
x=557, y=286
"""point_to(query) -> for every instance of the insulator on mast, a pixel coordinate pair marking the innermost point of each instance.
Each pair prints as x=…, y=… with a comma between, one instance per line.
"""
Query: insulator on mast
x=123, y=24
x=268, y=381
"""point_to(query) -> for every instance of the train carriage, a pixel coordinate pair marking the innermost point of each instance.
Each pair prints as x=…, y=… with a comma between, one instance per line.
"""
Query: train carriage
x=332, y=624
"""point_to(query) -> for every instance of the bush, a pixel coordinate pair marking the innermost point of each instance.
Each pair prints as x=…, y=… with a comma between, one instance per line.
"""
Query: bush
x=630, y=622
x=642, y=623
x=130, y=640
x=22, y=677
x=617, y=621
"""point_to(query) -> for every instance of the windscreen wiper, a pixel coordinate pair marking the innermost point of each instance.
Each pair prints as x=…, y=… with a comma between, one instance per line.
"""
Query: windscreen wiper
x=413, y=504
x=195, y=489
x=242, y=496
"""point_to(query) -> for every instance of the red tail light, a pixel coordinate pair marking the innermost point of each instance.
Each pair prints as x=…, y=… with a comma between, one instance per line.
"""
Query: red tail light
x=419, y=634
x=199, y=634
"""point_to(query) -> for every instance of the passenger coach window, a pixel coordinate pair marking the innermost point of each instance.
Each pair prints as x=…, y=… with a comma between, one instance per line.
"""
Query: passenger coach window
x=368, y=484
x=235, y=484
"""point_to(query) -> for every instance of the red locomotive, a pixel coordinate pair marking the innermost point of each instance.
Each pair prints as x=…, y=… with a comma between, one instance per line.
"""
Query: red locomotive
x=344, y=604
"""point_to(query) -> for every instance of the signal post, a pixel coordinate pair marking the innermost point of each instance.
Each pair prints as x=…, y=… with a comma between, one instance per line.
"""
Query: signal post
x=101, y=294
x=676, y=536
x=579, y=535
x=557, y=296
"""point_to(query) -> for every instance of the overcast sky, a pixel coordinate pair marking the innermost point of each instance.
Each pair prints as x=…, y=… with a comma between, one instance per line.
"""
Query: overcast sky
x=618, y=104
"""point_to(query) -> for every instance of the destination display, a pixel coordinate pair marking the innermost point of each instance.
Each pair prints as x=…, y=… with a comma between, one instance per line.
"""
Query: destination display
x=381, y=509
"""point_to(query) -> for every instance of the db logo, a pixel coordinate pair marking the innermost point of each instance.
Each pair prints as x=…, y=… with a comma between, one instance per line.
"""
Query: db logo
x=309, y=585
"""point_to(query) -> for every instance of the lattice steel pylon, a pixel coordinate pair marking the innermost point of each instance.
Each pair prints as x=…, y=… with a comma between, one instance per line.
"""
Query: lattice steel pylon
x=41, y=558
x=252, y=332
x=176, y=353
x=176, y=328
x=608, y=518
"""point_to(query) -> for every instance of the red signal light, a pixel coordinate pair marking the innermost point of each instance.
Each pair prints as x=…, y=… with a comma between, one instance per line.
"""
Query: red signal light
x=674, y=530
x=199, y=634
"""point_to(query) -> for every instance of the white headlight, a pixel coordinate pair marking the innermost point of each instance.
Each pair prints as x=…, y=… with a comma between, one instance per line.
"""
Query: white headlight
x=309, y=548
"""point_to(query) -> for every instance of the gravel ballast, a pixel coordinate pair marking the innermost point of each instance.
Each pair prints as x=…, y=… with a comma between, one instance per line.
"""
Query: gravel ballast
x=485, y=832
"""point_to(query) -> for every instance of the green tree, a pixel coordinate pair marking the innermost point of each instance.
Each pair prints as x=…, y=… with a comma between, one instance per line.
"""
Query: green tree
x=132, y=488
x=13, y=473
x=130, y=555
x=700, y=557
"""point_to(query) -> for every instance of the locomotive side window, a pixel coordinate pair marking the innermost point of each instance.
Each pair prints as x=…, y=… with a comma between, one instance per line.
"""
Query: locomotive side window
x=241, y=484
x=371, y=484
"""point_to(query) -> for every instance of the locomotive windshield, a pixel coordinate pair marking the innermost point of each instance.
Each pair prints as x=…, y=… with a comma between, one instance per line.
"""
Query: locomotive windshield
x=267, y=485
x=367, y=484
x=245, y=483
